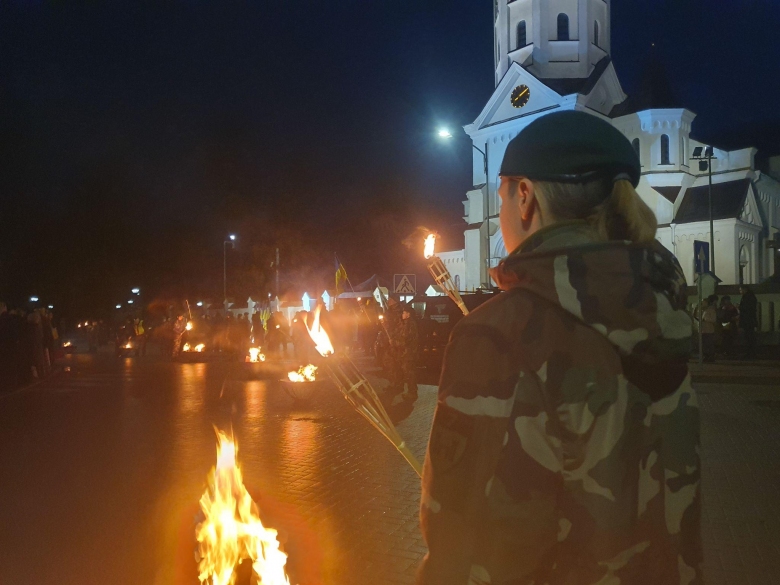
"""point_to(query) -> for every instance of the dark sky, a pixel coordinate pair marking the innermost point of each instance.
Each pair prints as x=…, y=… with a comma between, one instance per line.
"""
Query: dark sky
x=135, y=135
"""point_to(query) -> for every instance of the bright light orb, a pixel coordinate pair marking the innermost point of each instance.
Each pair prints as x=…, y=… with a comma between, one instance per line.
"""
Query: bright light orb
x=34, y=299
x=444, y=133
x=118, y=307
x=136, y=291
x=232, y=237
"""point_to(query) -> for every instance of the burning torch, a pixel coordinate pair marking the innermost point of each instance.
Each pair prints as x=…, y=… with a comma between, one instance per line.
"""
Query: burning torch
x=440, y=274
x=357, y=390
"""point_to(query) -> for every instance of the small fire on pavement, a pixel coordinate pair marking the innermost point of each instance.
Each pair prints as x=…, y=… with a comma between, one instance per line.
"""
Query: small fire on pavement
x=189, y=326
x=304, y=374
x=255, y=356
x=200, y=348
x=232, y=530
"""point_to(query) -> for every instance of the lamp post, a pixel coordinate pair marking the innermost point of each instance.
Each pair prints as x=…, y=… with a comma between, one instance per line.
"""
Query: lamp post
x=705, y=156
x=445, y=134
x=231, y=240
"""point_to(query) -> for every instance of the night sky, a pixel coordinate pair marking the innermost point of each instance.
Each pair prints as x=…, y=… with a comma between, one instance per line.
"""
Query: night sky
x=136, y=135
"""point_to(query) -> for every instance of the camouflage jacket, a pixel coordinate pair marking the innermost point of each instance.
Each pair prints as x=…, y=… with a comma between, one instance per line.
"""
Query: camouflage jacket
x=565, y=444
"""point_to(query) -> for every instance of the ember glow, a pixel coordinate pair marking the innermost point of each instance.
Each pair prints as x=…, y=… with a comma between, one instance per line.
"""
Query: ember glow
x=430, y=246
x=319, y=336
x=255, y=355
x=232, y=530
x=67, y=344
x=304, y=374
x=189, y=326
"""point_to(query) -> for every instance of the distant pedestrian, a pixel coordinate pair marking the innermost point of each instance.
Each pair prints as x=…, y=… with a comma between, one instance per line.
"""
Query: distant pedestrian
x=709, y=321
x=728, y=316
x=748, y=319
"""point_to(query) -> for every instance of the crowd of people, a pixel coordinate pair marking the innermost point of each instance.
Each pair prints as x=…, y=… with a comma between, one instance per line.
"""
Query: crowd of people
x=28, y=343
x=721, y=324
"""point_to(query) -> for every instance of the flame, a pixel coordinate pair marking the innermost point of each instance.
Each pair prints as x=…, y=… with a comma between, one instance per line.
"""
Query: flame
x=319, y=335
x=255, y=355
x=189, y=326
x=186, y=347
x=304, y=374
x=430, y=246
x=232, y=530
x=128, y=345
x=67, y=343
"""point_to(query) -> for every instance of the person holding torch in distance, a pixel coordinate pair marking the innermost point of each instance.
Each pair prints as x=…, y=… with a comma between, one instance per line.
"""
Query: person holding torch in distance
x=565, y=444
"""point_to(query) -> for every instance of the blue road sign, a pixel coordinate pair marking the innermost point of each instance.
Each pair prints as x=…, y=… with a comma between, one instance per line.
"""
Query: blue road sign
x=701, y=254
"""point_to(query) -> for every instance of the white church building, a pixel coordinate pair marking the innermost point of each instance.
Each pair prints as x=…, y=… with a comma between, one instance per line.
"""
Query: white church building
x=553, y=55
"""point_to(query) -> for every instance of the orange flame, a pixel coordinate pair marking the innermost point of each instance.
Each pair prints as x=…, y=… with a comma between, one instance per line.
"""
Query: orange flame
x=430, y=246
x=232, y=530
x=304, y=374
x=255, y=355
x=189, y=326
x=319, y=336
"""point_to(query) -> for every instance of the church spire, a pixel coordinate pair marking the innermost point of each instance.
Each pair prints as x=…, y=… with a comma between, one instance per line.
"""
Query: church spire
x=554, y=40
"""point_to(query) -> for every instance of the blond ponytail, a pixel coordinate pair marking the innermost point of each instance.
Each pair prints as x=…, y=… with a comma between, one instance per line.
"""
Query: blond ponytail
x=621, y=216
x=624, y=216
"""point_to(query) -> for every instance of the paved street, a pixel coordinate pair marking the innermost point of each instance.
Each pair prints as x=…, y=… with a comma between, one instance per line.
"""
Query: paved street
x=102, y=467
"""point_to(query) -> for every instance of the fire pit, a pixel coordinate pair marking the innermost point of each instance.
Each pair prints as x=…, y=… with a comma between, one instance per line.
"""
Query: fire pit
x=302, y=384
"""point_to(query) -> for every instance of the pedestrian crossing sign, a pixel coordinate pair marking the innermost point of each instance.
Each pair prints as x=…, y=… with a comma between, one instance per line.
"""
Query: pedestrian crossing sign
x=405, y=284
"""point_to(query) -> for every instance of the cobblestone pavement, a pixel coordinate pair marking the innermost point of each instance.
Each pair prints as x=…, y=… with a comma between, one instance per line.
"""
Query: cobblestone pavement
x=102, y=469
x=740, y=483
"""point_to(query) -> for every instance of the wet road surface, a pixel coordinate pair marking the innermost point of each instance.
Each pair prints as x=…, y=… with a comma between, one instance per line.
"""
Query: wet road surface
x=102, y=467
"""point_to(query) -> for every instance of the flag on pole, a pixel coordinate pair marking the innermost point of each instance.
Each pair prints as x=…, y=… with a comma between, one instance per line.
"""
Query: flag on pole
x=341, y=276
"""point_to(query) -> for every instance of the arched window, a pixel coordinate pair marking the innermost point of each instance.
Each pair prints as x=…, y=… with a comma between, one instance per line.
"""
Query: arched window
x=665, y=160
x=744, y=265
x=563, y=27
x=596, y=32
x=637, y=148
x=522, y=38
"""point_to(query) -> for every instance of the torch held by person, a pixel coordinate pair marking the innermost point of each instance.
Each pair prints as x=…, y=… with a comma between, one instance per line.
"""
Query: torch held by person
x=441, y=275
x=357, y=390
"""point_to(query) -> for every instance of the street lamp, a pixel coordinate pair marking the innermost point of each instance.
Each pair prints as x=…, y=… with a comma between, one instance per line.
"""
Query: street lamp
x=705, y=156
x=119, y=306
x=33, y=299
x=130, y=302
x=199, y=303
x=445, y=134
x=51, y=307
x=136, y=291
x=231, y=240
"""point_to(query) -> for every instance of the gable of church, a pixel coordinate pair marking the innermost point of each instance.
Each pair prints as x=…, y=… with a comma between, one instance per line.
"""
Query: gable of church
x=500, y=109
x=750, y=212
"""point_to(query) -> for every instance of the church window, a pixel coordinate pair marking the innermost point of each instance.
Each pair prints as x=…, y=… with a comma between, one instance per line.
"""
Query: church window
x=563, y=27
x=637, y=148
x=665, y=160
x=521, y=34
x=596, y=33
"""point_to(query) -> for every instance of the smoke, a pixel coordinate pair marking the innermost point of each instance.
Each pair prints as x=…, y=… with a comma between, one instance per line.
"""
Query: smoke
x=417, y=238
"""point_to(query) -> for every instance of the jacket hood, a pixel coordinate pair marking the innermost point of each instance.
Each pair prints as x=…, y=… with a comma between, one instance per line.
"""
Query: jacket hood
x=634, y=295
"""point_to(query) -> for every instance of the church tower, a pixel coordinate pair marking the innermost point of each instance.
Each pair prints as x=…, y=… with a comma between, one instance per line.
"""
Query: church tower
x=553, y=39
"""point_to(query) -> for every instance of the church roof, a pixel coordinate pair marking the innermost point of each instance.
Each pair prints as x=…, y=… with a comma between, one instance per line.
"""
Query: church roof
x=655, y=93
x=727, y=201
x=566, y=86
x=669, y=193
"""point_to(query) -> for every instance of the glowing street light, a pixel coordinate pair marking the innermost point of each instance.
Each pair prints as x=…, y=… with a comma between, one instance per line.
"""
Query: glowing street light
x=136, y=291
x=33, y=299
x=199, y=303
x=232, y=241
x=51, y=307
x=130, y=302
x=118, y=307
x=445, y=133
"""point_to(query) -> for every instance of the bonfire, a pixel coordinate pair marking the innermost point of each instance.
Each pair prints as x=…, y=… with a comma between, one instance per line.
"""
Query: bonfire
x=232, y=531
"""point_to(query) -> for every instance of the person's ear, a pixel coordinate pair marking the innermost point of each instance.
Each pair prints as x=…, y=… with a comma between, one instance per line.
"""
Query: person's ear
x=527, y=199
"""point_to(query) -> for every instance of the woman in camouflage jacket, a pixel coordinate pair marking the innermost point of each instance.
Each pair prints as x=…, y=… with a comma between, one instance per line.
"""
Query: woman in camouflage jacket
x=565, y=445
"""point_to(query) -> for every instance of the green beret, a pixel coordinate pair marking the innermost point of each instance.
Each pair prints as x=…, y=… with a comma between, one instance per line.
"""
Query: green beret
x=570, y=147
